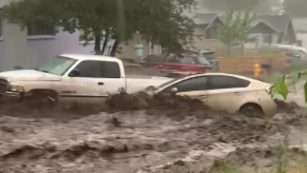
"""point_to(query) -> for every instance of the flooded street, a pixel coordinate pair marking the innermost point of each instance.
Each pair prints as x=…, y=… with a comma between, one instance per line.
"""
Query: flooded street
x=142, y=141
x=170, y=137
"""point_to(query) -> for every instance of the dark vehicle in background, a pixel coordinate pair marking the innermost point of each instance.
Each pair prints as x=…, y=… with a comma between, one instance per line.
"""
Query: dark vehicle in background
x=187, y=63
x=296, y=56
x=209, y=55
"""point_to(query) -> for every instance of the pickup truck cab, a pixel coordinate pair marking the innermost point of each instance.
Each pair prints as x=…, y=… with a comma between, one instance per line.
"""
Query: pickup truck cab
x=74, y=77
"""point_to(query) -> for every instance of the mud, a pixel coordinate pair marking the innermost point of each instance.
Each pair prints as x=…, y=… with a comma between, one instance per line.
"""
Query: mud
x=94, y=143
x=137, y=133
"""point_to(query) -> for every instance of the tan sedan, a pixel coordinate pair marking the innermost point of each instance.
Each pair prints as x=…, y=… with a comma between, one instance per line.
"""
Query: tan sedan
x=225, y=92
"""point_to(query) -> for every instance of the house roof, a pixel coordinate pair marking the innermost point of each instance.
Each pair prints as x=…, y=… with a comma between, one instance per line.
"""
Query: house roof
x=278, y=22
x=204, y=18
x=258, y=21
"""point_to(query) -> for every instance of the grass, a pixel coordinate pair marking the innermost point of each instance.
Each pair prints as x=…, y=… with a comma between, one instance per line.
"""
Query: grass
x=300, y=167
x=282, y=165
x=225, y=167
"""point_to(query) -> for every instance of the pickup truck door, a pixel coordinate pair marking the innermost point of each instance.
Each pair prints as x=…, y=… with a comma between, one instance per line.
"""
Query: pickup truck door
x=97, y=80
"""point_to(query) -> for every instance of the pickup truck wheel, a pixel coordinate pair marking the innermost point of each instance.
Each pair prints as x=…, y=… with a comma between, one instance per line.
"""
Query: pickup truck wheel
x=48, y=98
x=251, y=110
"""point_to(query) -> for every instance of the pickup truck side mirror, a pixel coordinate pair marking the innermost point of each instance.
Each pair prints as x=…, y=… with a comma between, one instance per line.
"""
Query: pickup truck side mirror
x=74, y=73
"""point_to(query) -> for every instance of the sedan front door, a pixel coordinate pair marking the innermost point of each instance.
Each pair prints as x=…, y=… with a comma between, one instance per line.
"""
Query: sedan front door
x=193, y=87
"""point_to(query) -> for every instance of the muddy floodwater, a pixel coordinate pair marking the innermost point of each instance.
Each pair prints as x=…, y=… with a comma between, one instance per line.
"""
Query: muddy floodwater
x=170, y=136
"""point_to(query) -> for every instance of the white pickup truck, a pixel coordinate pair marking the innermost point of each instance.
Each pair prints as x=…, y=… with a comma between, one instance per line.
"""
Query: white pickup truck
x=74, y=77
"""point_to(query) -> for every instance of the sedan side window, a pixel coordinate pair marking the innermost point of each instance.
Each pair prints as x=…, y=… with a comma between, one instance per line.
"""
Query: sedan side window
x=159, y=58
x=173, y=58
x=225, y=82
x=193, y=84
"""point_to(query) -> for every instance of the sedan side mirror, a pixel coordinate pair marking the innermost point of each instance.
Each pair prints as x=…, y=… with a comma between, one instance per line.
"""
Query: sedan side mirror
x=174, y=90
x=74, y=73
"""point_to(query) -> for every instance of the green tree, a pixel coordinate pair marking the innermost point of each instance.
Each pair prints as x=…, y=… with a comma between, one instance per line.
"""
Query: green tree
x=280, y=86
x=295, y=8
x=235, y=28
x=160, y=21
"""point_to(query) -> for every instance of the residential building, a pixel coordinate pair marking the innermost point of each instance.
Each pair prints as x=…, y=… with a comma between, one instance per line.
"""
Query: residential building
x=300, y=28
x=266, y=29
x=33, y=46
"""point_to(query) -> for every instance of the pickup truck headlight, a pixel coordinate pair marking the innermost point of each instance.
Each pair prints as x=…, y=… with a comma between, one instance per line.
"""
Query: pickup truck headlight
x=17, y=88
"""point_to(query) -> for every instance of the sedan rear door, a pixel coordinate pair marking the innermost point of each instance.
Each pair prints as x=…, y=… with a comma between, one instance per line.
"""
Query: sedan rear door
x=226, y=93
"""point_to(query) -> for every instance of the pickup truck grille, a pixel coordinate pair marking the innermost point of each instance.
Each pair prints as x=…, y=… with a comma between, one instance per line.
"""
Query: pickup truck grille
x=4, y=85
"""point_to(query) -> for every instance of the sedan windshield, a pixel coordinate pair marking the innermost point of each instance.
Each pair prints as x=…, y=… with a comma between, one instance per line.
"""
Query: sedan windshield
x=203, y=61
x=190, y=59
x=169, y=82
x=58, y=65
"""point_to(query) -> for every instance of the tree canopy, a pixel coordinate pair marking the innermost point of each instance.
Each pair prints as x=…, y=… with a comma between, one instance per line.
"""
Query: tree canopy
x=235, y=28
x=159, y=22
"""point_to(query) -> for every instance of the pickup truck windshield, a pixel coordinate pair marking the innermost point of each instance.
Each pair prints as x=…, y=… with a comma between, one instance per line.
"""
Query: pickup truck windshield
x=58, y=65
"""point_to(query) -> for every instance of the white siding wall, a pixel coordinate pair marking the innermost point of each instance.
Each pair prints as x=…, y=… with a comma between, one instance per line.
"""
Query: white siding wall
x=303, y=38
x=13, y=42
x=259, y=37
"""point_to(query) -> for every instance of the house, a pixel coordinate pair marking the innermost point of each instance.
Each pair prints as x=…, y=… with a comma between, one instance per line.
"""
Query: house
x=283, y=26
x=206, y=31
x=300, y=28
x=34, y=46
x=266, y=29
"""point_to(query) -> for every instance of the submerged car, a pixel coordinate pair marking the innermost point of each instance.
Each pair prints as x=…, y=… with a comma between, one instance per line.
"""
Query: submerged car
x=224, y=92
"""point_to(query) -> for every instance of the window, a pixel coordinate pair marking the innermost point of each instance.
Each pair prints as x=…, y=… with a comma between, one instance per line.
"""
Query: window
x=211, y=33
x=169, y=82
x=225, y=82
x=58, y=65
x=267, y=38
x=1, y=25
x=173, y=59
x=251, y=40
x=192, y=84
x=90, y=69
x=159, y=58
x=187, y=60
x=99, y=69
x=40, y=30
x=110, y=70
